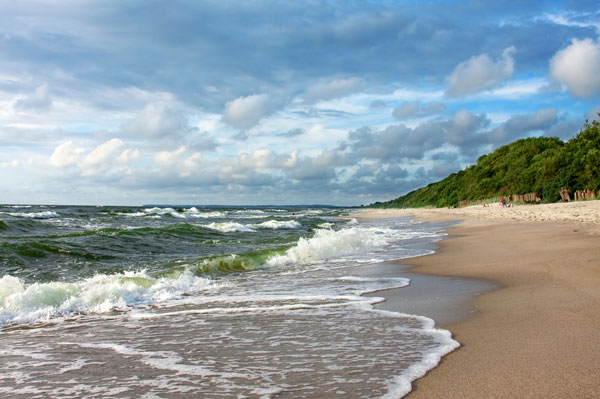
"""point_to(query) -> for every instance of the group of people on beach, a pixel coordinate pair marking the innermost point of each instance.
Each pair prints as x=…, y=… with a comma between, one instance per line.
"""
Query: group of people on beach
x=503, y=204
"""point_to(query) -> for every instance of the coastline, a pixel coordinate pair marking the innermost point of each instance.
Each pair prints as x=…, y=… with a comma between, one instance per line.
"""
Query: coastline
x=537, y=335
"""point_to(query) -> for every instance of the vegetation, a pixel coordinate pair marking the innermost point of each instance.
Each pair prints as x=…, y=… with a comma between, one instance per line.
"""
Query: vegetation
x=539, y=164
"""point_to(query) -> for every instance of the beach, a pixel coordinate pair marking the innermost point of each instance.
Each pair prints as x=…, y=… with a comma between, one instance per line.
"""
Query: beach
x=537, y=335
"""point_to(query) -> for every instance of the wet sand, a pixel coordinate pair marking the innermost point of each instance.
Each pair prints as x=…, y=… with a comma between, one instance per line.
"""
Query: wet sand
x=444, y=299
x=538, y=335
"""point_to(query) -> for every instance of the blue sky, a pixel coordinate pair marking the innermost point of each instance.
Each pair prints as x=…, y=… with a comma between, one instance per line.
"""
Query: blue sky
x=277, y=102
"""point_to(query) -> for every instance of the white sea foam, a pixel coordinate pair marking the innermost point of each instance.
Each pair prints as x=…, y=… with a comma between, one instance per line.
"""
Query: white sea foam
x=195, y=213
x=132, y=213
x=36, y=215
x=230, y=227
x=401, y=385
x=398, y=280
x=326, y=244
x=163, y=211
x=21, y=303
x=314, y=212
x=278, y=225
x=326, y=225
x=155, y=213
x=249, y=212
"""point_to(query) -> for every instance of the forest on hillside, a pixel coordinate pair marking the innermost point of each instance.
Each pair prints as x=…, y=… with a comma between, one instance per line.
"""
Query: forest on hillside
x=542, y=165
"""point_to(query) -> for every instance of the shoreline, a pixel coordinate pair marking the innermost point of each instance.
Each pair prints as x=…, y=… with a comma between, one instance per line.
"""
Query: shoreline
x=537, y=335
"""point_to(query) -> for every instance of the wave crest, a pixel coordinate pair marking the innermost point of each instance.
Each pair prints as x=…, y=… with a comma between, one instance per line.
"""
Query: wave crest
x=21, y=303
x=328, y=244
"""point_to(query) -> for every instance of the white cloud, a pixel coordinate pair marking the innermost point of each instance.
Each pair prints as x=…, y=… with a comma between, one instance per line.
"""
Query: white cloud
x=245, y=112
x=128, y=155
x=157, y=120
x=65, y=155
x=39, y=100
x=190, y=165
x=104, y=157
x=333, y=89
x=13, y=164
x=101, y=157
x=168, y=158
x=578, y=66
x=261, y=159
x=179, y=162
x=580, y=20
x=520, y=88
x=102, y=152
x=480, y=73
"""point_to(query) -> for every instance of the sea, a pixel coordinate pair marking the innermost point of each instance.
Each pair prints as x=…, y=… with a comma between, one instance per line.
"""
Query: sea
x=208, y=302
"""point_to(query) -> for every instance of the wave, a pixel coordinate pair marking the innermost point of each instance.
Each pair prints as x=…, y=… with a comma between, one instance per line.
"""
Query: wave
x=249, y=212
x=195, y=213
x=230, y=227
x=24, y=226
x=34, y=249
x=116, y=289
x=39, y=302
x=327, y=244
x=163, y=211
x=278, y=225
x=21, y=303
x=153, y=212
x=178, y=229
x=326, y=225
x=157, y=212
x=34, y=215
x=234, y=263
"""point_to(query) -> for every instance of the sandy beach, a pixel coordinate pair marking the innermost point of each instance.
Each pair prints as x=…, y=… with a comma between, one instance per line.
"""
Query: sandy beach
x=538, y=335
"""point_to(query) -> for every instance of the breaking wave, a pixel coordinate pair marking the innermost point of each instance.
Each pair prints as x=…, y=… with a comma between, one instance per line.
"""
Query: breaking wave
x=21, y=303
x=278, y=225
x=327, y=244
x=34, y=215
x=229, y=227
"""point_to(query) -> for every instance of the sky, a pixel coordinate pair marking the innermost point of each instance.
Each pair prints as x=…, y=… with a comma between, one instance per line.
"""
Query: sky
x=279, y=102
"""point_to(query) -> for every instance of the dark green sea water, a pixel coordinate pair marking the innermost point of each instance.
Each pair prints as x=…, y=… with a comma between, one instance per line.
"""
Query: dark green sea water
x=60, y=243
x=206, y=302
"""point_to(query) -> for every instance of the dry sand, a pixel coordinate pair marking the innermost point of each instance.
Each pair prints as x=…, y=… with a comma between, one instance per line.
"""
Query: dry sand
x=539, y=335
x=584, y=212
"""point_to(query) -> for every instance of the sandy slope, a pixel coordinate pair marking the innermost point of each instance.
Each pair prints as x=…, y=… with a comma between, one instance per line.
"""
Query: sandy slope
x=587, y=212
x=539, y=335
